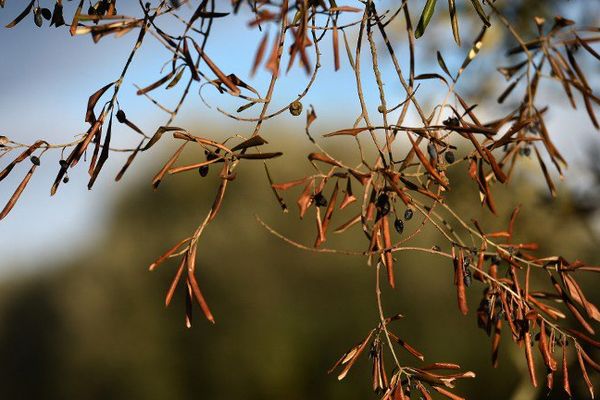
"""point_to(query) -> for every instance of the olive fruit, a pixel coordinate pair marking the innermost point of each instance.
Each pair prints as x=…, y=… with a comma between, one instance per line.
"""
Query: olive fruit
x=295, y=108
x=449, y=156
x=320, y=200
x=35, y=160
x=203, y=170
x=399, y=225
x=432, y=150
x=467, y=277
x=121, y=117
x=37, y=17
x=46, y=13
x=408, y=214
x=383, y=204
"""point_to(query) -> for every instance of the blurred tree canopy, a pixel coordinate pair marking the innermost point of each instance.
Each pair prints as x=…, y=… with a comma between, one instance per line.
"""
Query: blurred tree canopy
x=94, y=329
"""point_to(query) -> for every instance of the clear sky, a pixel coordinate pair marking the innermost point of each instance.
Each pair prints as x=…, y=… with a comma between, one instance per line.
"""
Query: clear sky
x=46, y=77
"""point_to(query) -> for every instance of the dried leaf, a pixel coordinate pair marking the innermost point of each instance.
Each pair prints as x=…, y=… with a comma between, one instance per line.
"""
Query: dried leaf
x=13, y=199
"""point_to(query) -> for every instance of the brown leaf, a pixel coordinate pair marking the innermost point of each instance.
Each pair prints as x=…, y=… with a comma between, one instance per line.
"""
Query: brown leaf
x=13, y=199
x=256, y=140
x=259, y=156
x=336, y=48
x=323, y=158
x=529, y=357
x=346, y=132
x=459, y=281
x=565, y=369
x=128, y=162
x=23, y=14
x=220, y=194
x=175, y=281
x=24, y=155
x=156, y=84
x=199, y=297
x=93, y=100
x=584, y=371
x=158, y=177
x=447, y=393
x=328, y=214
x=167, y=255
x=432, y=171
x=387, y=256
x=288, y=185
x=260, y=52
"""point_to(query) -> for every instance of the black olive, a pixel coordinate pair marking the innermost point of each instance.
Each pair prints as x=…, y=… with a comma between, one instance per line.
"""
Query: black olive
x=383, y=204
x=399, y=225
x=408, y=214
x=451, y=121
x=203, y=170
x=63, y=164
x=121, y=117
x=66, y=179
x=526, y=151
x=35, y=160
x=432, y=151
x=46, y=13
x=467, y=278
x=449, y=156
x=320, y=200
x=37, y=17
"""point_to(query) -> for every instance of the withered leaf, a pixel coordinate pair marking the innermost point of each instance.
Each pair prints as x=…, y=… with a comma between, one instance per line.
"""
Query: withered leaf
x=259, y=156
x=23, y=14
x=256, y=140
x=13, y=199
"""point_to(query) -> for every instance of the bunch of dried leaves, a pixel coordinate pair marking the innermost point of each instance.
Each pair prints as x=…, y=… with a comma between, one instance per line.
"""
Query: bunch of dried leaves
x=387, y=191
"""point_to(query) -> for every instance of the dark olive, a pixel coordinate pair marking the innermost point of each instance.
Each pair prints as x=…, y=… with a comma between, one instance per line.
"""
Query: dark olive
x=399, y=225
x=35, y=160
x=320, y=200
x=121, y=117
x=432, y=151
x=449, y=156
x=451, y=121
x=37, y=17
x=467, y=277
x=383, y=204
x=408, y=214
x=295, y=108
x=66, y=179
x=203, y=170
x=63, y=164
x=46, y=13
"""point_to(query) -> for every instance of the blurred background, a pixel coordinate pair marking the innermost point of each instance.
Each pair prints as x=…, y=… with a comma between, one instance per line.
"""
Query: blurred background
x=80, y=315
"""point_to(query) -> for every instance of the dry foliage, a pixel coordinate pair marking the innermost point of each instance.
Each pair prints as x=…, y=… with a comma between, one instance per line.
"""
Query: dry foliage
x=387, y=191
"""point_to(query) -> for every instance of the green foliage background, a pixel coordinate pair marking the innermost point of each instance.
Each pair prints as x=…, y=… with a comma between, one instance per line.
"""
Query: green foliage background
x=97, y=328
